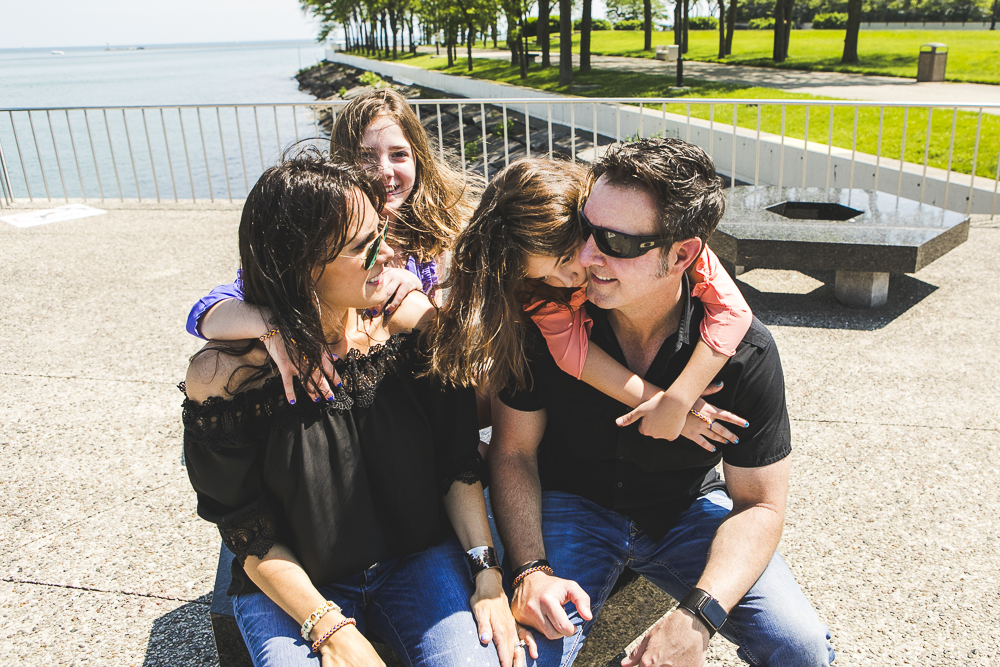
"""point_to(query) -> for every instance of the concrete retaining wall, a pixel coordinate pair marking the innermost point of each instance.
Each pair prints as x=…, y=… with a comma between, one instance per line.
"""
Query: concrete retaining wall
x=806, y=166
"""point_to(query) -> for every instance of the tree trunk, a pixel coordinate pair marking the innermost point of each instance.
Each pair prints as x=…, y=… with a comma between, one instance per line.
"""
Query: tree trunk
x=413, y=47
x=522, y=56
x=853, y=28
x=394, y=24
x=515, y=57
x=731, y=27
x=542, y=32
x=586, y=24
x=678, y=22
x=778, y=51
x=789, y=6
x=722, y=28
x=647, y=25
x=470, y=40
x=494, y=31
x=448, y=39
x=565, y=42
x=993, y=15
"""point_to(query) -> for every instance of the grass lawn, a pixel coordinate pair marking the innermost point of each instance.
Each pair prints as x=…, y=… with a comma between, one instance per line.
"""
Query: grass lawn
x=973, y=56
x=614, y=83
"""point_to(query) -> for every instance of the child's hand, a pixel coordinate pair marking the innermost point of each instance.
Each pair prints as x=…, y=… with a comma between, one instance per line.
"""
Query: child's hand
x=662, y=417
x=279, y=351
x=398, y=283
x=702, y=425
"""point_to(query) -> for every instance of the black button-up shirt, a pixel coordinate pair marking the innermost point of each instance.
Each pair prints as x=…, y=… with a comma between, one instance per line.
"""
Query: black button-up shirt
x=651, y=481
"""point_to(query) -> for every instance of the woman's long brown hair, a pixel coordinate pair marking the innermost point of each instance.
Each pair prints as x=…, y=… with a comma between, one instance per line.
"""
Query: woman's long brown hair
x=441, y=200
x=531, y=207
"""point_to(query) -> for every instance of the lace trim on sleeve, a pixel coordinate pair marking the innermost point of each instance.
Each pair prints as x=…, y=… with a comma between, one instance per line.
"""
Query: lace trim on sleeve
x=467, y=470
x=219, y=423
x=250, y=533
x=361, y=374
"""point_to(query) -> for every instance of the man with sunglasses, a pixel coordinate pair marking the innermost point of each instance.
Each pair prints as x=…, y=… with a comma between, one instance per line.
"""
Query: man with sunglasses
x=577, y=499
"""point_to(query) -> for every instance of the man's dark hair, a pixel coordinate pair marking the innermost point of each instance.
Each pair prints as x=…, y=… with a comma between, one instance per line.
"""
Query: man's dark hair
x=679, y=176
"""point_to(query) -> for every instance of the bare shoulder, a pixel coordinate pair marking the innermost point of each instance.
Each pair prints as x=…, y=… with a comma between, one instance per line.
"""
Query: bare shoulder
x=216, y=368
x=415, y=311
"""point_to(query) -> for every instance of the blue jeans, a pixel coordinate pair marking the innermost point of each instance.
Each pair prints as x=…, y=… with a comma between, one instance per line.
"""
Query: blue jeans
x=418, y=605
x=772, y=625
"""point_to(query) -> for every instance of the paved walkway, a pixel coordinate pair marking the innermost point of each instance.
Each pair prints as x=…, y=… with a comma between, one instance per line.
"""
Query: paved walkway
x=825, y=84
x=894, y=511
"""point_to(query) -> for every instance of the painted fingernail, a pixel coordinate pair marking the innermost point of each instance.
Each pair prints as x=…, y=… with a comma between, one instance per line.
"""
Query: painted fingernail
x=316, y=400
x=291, y=402
x=736, y=440
x=484, y=638
x=719, y=383
x=746, y=424
x=339, y=385
x=713, y=449
x=334, y=356
x=330, y=398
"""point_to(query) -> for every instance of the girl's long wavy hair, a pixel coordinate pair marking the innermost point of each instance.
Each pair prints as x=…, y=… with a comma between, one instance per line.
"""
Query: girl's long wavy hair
x=299, y=216
x=529, y=208
x=441, y=200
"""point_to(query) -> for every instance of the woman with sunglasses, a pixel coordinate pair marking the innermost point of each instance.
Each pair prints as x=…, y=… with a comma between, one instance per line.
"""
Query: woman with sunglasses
x=519, y=258
x=360, y=516
x=427, y=202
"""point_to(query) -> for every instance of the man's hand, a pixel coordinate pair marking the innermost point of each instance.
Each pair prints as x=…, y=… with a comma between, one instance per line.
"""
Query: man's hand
x=677, y=640
x=539, y=603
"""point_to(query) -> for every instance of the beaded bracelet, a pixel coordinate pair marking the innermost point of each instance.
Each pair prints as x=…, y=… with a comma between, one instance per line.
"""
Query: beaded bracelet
x=272, y=332
x=702, y=417
x=314, y=617
x=329, y=633
x=521, y=577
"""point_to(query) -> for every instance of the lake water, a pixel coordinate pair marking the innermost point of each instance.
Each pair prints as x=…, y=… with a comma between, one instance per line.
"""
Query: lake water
x=60, y=150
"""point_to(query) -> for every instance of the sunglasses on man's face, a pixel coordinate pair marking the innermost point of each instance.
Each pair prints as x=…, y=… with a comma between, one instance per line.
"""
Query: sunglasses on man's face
x=619, y=245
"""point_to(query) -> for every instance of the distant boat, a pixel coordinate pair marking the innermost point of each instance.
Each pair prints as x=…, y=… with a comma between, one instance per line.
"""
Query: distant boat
x=58, y=53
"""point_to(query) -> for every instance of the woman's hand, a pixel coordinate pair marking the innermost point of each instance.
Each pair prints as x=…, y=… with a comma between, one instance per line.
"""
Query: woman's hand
x=496, y=623
x=282, y=353
x=397, y=284
x=349, y=648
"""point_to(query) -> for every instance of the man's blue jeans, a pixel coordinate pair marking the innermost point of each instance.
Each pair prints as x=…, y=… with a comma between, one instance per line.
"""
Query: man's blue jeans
x=773, y=624
x=418, y=605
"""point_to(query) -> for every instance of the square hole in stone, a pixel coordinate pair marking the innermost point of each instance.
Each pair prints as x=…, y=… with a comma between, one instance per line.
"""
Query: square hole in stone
x=813, y=210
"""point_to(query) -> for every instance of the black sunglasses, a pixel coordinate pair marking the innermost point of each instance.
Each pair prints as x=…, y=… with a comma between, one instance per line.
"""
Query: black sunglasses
x=619, y=245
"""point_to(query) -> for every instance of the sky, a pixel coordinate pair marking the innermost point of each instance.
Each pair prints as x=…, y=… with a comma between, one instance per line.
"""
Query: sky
x=54, y=23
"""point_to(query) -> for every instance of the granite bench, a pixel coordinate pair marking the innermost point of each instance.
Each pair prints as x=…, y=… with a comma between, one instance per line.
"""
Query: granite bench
x=633, y=606
x=863, y=235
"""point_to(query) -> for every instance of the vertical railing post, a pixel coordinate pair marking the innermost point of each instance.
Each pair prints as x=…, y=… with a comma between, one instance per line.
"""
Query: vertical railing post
x=38, y=152
x=781, y=157
x=902, y=151
x=204, y=152
x=927, y=152
x=732, y=170
x=878, y=148
x=152, y=164
x=951, y=153
x=854, y=146
x=243, y=159
x=76, y=158
x=131, y=156
x=222, y=145
x=187, y=154
x=506, y=145
x=756, y=166
x=527, y=131
x=170, y=161
x=486, y=158
x=461, y=136
x=805, y=147
x=975, y=161
x=5, y=177
x=93, y=154
x=829, y=150
x=55, y=149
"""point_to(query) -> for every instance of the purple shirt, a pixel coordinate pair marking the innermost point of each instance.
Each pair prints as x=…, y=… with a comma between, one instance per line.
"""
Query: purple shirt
x=426, y=271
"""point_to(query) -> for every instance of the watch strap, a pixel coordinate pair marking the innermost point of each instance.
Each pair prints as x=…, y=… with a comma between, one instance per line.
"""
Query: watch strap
x=705, y=608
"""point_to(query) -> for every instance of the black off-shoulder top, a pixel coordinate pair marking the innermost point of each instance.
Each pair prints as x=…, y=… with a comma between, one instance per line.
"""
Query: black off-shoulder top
x=343, y=484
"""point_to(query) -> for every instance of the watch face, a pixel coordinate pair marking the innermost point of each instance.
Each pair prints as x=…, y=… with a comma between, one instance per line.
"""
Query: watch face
x=714, y=613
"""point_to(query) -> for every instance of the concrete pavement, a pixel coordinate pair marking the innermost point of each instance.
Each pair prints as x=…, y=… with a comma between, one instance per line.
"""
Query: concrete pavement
x=893, y=526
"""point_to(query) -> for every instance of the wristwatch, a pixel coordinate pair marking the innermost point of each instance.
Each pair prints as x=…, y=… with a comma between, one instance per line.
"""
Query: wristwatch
x=705, y=608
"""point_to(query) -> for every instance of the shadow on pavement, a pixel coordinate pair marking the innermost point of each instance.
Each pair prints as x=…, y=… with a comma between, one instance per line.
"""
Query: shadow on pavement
x=819, y=309
x=183, y=637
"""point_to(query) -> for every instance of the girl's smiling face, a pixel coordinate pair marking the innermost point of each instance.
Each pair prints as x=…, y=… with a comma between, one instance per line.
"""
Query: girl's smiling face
x=385, y=146
x=564, y=271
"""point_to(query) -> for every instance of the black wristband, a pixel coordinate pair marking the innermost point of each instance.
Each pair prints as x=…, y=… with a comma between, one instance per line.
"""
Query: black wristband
x=482, y=558
x=541, y=562
x=705, y=608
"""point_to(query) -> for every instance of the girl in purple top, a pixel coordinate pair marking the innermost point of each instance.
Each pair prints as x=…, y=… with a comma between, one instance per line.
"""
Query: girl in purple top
x=427, y=204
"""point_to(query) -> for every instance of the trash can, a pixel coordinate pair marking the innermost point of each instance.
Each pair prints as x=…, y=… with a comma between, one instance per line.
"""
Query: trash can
x=932, y=62
x=667, y=52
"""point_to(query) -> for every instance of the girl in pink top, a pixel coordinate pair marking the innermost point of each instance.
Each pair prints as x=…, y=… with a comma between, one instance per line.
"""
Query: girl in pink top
x=519, y=256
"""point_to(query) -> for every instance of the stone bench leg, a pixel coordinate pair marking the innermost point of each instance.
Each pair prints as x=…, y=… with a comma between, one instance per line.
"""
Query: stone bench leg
x=861, y=289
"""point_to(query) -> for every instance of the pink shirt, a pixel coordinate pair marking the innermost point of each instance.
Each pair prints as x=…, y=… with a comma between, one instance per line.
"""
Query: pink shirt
x=727, y=316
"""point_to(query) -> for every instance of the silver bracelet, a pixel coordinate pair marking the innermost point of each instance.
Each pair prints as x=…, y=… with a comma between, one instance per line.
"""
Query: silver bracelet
x=314, y=617
x=482, y=558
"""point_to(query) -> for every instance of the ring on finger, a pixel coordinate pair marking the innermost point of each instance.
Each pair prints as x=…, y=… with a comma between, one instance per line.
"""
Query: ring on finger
x=522, y=643
x=710, y=425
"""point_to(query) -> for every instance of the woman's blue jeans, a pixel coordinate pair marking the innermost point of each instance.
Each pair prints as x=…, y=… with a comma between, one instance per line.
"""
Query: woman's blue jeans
x=418, y=605
x=772, y=625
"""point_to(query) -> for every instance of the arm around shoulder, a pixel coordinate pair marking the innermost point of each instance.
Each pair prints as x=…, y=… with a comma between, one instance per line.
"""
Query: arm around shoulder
x=212, y=372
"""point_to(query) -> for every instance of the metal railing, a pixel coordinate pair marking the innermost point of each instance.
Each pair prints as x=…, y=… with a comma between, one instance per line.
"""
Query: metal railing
x=937, y=153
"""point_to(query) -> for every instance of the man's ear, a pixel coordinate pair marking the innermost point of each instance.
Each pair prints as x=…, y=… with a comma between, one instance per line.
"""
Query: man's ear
x=684, y=253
